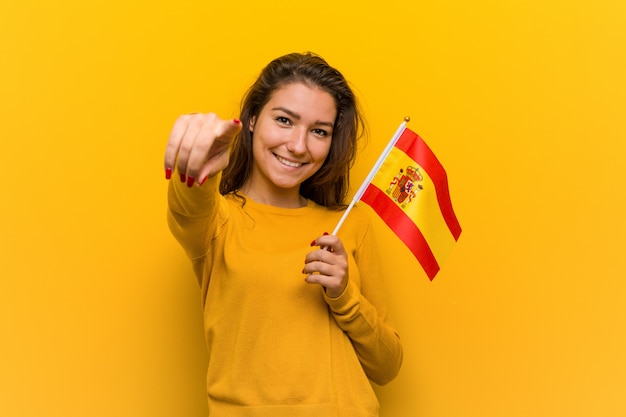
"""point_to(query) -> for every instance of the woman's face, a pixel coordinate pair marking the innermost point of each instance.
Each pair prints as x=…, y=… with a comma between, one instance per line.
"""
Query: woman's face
x=291, y=138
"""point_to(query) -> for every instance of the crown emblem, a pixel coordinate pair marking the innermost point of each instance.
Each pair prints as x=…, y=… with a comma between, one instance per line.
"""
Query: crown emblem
x=404, y=187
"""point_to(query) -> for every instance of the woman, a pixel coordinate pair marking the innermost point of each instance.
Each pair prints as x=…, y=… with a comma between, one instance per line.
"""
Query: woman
x=252, y=194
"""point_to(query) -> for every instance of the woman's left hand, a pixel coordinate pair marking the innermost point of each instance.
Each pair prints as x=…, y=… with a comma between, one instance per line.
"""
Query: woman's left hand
x=327, y=266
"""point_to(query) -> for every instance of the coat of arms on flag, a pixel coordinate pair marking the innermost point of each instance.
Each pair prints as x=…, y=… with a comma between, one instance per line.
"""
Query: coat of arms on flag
x=405, y=185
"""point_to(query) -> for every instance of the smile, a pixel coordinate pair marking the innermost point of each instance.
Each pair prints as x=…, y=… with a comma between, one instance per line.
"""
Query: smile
x=288, y=163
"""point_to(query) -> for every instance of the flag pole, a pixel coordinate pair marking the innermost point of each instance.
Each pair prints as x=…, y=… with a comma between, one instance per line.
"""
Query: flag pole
x=372, y=173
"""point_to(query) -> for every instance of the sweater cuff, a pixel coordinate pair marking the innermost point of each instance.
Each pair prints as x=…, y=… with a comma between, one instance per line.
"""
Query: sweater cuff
x=193, y=201
x=346, y=302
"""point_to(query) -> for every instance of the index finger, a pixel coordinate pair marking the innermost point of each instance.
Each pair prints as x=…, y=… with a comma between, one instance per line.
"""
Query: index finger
x=330, y=242
x=211, y=153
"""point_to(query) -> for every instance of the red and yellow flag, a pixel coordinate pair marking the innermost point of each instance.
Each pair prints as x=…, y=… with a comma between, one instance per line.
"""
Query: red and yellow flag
x=410, y=193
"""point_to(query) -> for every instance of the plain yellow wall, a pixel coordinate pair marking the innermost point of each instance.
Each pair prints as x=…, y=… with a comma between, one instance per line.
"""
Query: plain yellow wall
x=522, y=101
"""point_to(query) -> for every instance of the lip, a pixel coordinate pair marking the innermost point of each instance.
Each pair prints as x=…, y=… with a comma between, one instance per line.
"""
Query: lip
x=289, y=163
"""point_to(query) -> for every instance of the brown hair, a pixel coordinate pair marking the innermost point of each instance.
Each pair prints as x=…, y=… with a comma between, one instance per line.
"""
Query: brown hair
x=329, y=185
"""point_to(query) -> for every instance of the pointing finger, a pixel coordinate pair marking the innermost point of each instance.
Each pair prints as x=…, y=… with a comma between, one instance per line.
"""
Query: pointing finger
x=211, y=150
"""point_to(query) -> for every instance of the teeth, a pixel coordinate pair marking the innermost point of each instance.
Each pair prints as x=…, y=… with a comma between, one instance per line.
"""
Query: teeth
x=288, y=163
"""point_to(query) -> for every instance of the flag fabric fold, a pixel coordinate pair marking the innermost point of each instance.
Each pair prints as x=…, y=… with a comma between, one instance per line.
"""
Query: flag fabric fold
x=409, y=191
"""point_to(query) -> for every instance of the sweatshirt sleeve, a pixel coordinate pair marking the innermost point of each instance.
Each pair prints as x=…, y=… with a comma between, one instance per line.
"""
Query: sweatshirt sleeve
x=361, y=314
x=193, y=218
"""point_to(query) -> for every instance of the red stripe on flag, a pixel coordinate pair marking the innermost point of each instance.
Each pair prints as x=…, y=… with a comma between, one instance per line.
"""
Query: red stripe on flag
x=403, y=226
x=413, y=145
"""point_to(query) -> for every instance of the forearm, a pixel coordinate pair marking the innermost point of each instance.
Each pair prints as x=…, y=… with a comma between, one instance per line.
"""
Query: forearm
x=191, y=214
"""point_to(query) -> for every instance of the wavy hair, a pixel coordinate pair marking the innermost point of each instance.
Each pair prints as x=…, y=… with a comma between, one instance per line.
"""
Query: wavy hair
x=329, y=185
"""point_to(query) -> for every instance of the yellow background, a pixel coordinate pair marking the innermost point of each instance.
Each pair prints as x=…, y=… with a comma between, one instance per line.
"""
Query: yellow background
x=522, y=101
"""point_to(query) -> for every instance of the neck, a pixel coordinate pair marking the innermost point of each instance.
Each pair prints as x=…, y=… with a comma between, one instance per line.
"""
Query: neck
x=287, y=199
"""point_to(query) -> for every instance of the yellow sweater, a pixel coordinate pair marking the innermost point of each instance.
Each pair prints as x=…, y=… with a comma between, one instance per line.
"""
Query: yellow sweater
x=279, y=346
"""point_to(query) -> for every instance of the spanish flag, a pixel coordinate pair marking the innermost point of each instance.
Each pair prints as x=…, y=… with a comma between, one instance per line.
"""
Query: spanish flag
x=408, y=189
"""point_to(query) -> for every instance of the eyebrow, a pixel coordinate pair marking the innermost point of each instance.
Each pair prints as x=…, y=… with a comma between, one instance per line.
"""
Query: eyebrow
x=298, y=117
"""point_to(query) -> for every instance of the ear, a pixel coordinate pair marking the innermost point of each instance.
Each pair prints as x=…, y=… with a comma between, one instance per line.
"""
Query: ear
x=252, y=120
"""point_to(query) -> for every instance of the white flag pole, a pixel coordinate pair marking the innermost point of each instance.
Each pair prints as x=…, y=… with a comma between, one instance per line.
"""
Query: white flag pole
x=372, y=173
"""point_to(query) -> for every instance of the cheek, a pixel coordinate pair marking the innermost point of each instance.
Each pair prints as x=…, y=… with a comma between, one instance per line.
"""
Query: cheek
x=262, y=141
x=322, y=151
x=268, y=138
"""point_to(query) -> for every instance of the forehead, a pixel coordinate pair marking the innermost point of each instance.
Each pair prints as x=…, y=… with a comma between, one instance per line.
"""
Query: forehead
x=305, y=100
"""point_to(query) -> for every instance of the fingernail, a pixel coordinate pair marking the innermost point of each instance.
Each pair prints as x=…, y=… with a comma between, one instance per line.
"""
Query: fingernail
x=236, y=121
x=325, y=233
x=182, y=178
x=313, y=243
x=190, y=181
x=202, y=182
x=168, y=173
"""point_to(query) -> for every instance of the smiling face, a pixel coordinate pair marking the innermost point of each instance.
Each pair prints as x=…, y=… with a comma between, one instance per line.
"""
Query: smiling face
x=291, y=139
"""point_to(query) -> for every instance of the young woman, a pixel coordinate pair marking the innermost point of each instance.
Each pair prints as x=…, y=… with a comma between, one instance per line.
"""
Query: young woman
x=293, y=327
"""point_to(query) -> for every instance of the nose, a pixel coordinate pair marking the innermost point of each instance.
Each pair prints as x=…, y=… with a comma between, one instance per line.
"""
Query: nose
x=297, y=143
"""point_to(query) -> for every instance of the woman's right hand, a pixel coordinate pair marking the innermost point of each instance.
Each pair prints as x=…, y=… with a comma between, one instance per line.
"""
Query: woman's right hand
x=199, y=146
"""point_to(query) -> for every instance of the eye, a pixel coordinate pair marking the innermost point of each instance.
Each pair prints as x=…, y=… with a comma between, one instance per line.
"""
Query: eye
x=320, y=132
x=283, y=120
